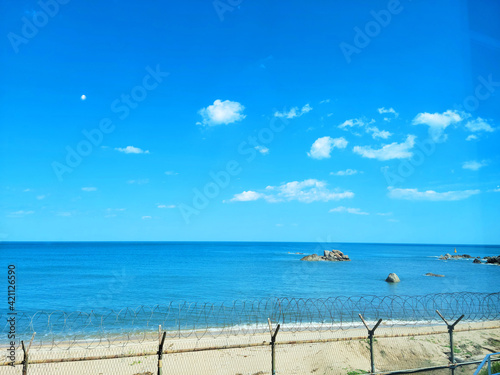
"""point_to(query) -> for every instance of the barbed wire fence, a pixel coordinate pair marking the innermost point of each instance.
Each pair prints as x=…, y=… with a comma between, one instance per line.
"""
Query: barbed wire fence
x=193, y=327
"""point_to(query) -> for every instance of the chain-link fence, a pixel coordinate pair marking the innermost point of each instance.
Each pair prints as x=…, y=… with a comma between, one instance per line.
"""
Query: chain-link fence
x=342, y=335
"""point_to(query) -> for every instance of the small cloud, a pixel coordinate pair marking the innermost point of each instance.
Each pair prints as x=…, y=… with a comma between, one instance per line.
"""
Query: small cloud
x=391, y=110
x=322, y=147
x=497, y=190
x=246, y=196
x=294, y=112
x=376, y=133
x=20, y=213
x=40, y=197
x=430, y=195
x=115, y=209
x=438, y=122
x=221, y=113
x=262, y=149
x=146, y=217
x=355, y=122
x=280, y=225
x=349, y=210
x=306, y=191
x=166, y=206
x=471, y=137
x=89, y=188
x=64, y=214
x=347, y=172
x=27, y=190
x=479, y=125
x=324, y=101
x=139, y=182
x=132, y=150
x=390, y=151
x=171, y=173
x=393, y=220
x=474, y=165
x=384, y=213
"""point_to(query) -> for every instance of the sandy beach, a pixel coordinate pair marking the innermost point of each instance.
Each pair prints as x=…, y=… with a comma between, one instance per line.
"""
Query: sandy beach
x=339, y=352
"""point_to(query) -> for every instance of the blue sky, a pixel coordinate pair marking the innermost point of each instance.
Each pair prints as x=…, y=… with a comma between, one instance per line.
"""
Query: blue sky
x=347, y=121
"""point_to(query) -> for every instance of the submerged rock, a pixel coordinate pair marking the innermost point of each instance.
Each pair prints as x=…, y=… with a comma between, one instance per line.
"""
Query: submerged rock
x=329, y=256
x=433, y=274
x=477, y=261
x=392, y=278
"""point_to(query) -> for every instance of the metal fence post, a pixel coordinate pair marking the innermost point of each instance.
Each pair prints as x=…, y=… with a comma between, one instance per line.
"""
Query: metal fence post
x=160, y=353
x=451, y=327
x=26, y=352
x=272, y=343
x=371, y=333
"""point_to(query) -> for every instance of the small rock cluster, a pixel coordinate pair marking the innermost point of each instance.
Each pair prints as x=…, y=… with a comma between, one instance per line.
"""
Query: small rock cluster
x=458, y=256
x=492, y=260
x=329, y=256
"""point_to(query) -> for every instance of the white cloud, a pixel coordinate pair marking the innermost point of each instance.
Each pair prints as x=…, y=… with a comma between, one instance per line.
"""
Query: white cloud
x=246, y=196
x=430, y=195
x=384, y=110
x=354, y=211
x=27, y=190
x=355, y=122
x=40, y=197
x=497, y=190
x=347, y=172
x=306, y=191
x=322, y=147
x=132, y=150
x=376, y=133
x=166, y=206
x=221, y=113
x=64, y=214
x=139, y=182
x=478, y=125
x=21, y=213
x=438, y=122
x=171, y=173
x=89, y=188
x=324, y=101
x=471, y=137
x=474, y=165
x=262, y=149
x=391, y=151
x=294, y=112
x=146, y=217
x=384, y=213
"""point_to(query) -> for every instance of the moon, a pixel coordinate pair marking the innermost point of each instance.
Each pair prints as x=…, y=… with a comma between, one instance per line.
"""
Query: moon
x=83, y=97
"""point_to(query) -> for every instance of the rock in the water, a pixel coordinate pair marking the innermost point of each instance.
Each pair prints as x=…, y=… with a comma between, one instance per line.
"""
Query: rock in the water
x=433, y=274
x=392, y=278
x=477, y=261
x=493, y=260
x=312, y=258
x=458, y=256
x=331, y=256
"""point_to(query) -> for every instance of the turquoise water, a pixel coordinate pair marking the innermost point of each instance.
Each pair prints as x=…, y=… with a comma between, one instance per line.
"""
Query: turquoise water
x=98, y=276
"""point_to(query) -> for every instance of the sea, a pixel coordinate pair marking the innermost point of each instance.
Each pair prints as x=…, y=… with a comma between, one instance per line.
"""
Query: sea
x=88, y=276
x=99, y=277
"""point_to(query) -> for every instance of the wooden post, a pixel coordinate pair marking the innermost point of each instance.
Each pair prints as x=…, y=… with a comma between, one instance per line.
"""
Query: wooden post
x=26, y=352
x=272, y=343
x=160, y=353
x=371, y=333
x=451, y=327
